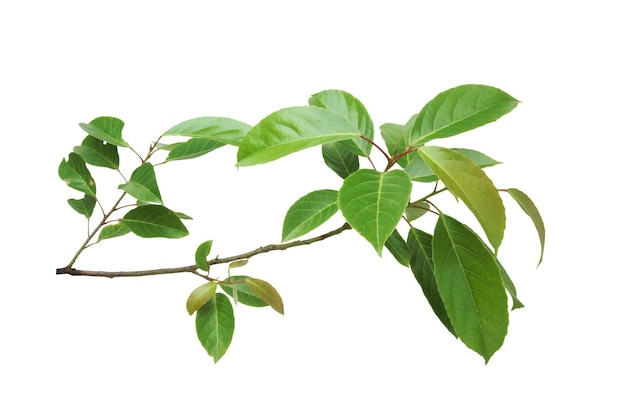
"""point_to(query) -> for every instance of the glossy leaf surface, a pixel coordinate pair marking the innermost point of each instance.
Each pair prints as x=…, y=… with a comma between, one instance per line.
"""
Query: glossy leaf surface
x=215, y=325
x=143, y=185
x=98, y=153
x=199, y=296
x=107, y=129
x=152, y=221
x=75, y=174
x=192, y=148
x=203, y=250
x=267, y=293
x=309, y=212
x=340, y=159
x=223, y=130
x=419, y=171
x=83, y=206
x=245, y=294
x=531, y=210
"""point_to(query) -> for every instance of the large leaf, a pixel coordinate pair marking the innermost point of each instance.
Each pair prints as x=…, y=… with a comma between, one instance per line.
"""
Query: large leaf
x=268, y=293
x=223, y=130
x=398, y=248
x=340, y=159
x=107, y=129
x=244, y=293
x=192, y=148
x=215, y=325
x=420, y=246
x=419, y=171
x=76, y=175
x=83, y=206
x=309, y=212
x=466, y=180
x=290, y=130
x=531, y=210
x=373, y=203
x=143, y=185
x=344, y=104
x=151, y=221
x=98, y=153
x=199, y=296
x=469, y=282
x=458, y=110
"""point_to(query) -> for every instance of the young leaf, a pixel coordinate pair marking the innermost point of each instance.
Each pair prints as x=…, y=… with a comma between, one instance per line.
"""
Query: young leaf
x=466, y=180
x=202, y=252
x=531, y=210
x=215, y=325
x=113, y=230
x=192, y=148
x=309, y=212
x=222, y=130
x=200, y=296
x=76, y=175
x=266, y=292
x=340, y=159
x=398, y=248
x=245, y=294
x=373, y=203
x=151, y=221
x=396, y=139
x=420, y=246
x=470, y=285
x=416, y=209
x=143, y=185
x=458, y=110
x=83, y=206
x=290, y=130
x=419, y=171
x=107, y=129
x=98, y=153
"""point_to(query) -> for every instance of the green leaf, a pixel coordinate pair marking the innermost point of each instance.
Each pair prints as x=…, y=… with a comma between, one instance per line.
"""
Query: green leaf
x=113, y=230
x=416, y=209
x=83, y=206
x=309, y=212
x=76, y=175
x=151, y=221
x=458, y=110
x=373, y=203
x=98, y=153
x=466, y=180
x=509, y=286
x=470, y=285
x=245, y=294
x=143, y=185
x=107, y=129
x=215, y=325
x=266, y=292
x=396, y=139
x=340, y=159
x=419, y=171
x=345, y=105
x=290, y=130
x=398, y=248
x=202, y=252
x=192, y=148
x=420, y=246
x=200, y=296
x=223, y=130
x=531, y=210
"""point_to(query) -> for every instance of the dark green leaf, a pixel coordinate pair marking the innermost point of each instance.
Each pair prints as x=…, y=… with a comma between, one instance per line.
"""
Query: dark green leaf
x=193, y=148
x=200, y=296
x=398, y=248
x=509, y=286
x=215, y=325
x=107, y=129
x=309, y=212
x=416, y=209
x=98, y=153
x=266, y=292
x=340, y=159
x=113, y=230
x=223, y=130
x=202, y=252
x=143, y=185
x=531, y=210
x=245, y=294
x=151, y=221
x=76, y=175
x=419, y=171
x=83, y=206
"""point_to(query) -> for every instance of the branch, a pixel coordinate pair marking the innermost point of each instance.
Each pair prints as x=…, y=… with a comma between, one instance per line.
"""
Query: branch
x=68, y=270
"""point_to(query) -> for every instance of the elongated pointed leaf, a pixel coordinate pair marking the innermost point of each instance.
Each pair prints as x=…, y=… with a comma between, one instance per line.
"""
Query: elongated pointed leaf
x=466, y=180
x=143, y=185
x=245, y=294
x=373, y=203
x=470, y=284
x=223, y=130
x=340, y=159
x=215, y=325
x=193, y=148
x=509, y=286
x=458, y=110
x=83, y=206
x=290, y=130
x=113, y=230
x=309, y=212
x=76, y=175
x=98, y=153
x=203, y=250
x=266, y=292
x=107, y=129
x=398, y=248
x=420, y=246
x=151, y=221
x=199, y=296
x=531, y=210
x=419, y=171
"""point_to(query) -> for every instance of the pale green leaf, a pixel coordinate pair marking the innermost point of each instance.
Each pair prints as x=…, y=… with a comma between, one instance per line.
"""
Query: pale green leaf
x=113, y=230
x=83, y=206
x=75, y=174
x=396, y=139
x=215, y=325
x=202, y=252
x=245, y=294
x=340, y=159
x=98, y=153
x=151, y=221
x=266, y=292
x=143, y=184
x=416, y=209
x=223, y=130
x=398, y=248
x=192, y=148
x=531, y=210
x=419, y=171
x=309, y=212
x=107, y=129
x=200, y=296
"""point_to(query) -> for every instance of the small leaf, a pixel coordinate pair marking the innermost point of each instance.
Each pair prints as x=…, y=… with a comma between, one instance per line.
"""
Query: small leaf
x=113, y=230
x=98, y=153
x=419, y=171
x=309, y=212
x=416, y=209
x=143, y=185
x=222, y=130
x=290, y=130
x=151, y=221
x=192, y=148
x=76, y=175
x=339, y=159
x=373, y=203
x=398, y=248
x=202, y=252
x=84, y=206
x=215, y=325
x=509, y=286
x=245, y=294
x=107, y=129
x=531, y=210
x=200, y=296
x=237, y=264
x=396, y=139
x=266, y=292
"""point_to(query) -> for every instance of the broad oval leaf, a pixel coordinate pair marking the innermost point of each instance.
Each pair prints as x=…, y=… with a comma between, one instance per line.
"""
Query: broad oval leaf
x=309, y=212
x=373, y=203
x=531, y=210
x=75, y=174
x=192, y=148
x=83, y=206
x=340, y=159
x=98, y=153
x=203, y=250
x=419, y=171
x=215, y=325
x=218, y=129
x=113, y=231
x=290, y=130
x=458, y=110
x=470, y=284
x=268, y=293
x=143, y=185
x=152, y=221
x=107, y=129
x=398, y=248
x=466, y=180
x=199, y=296
x=245, y=294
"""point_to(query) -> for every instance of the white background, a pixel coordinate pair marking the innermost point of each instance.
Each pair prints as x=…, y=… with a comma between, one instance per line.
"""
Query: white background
x=357, y=329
